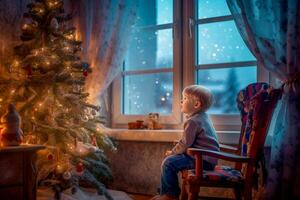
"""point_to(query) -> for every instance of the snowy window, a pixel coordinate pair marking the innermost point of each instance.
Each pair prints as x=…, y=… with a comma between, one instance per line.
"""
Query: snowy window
x=175, y=43
x=148, y=78
x=224, y=63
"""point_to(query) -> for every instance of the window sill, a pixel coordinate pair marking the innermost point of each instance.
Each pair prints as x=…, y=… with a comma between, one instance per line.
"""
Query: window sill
x=226, y=137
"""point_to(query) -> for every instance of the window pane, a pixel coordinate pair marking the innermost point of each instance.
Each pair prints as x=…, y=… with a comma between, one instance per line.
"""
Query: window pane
x=225, y=84
x=164, y=11
x=221, y=42
x=148, y=93
x=154, y=12
x=212, y=8
x=150, y=49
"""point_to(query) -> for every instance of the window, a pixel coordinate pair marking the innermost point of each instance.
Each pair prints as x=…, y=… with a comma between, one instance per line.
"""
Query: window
x=175, y=43
x=223, y=62
x=151, y=64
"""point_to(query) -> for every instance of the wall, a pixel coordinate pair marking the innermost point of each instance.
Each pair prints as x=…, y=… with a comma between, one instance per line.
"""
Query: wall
x=136, y=166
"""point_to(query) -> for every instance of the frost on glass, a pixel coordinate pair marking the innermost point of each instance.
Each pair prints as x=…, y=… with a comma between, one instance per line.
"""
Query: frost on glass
x=149, y=49
x=225, y=84
x=148, y=93
x=212, y=8
x=221, y=43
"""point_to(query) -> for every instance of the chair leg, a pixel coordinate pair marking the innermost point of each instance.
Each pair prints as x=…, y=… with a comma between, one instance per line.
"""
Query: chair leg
x=238, y=193
x=248, y=192
x=184, y=193
x=193, y=192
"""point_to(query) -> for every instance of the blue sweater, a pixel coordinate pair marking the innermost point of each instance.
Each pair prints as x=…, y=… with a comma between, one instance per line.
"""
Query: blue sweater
x=198, y=133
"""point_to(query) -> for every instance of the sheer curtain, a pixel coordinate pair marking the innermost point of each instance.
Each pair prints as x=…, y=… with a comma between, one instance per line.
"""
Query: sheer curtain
x=11, y=13
x=104, y=27
x=271, y=29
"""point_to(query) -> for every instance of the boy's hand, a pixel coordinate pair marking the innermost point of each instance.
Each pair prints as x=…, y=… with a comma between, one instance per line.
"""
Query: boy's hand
x=168, y=153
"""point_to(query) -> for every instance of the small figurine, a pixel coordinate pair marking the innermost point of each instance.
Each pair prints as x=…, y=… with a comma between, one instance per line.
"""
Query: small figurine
x=11, y=133
x=153, y=121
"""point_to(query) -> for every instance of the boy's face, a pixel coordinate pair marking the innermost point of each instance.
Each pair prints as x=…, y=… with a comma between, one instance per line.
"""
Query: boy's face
x=189, y=104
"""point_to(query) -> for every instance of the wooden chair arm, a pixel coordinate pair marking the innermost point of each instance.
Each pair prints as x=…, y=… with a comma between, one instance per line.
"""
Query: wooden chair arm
x=219, y=155
x=228, y=148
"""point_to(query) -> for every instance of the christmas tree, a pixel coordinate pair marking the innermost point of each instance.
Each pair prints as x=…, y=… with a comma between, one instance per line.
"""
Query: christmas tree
x=46, y=83
x=231, y=92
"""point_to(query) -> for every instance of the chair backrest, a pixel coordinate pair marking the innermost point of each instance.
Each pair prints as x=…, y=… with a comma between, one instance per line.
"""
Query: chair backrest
x=262, y=106
x=243, y=102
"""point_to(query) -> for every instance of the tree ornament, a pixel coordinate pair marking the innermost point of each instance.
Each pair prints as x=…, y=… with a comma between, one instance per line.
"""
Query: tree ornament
x=85, y=73
x=67, y=175
x=94, y=140
x=50, y=156
x=79, y=168
x=11, y=134
x=59, y=169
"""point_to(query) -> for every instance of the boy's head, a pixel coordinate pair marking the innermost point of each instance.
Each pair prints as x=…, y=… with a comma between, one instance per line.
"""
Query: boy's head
x=196, y=98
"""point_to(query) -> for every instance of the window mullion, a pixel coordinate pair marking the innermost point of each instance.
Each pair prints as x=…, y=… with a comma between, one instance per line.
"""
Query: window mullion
x=188, y=44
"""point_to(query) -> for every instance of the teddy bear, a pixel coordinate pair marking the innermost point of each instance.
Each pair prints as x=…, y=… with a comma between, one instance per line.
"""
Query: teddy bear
x=153, y=121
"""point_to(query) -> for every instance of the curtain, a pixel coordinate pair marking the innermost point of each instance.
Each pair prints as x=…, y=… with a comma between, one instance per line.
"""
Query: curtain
x=271, y=29
x=11, y=13
x=104, y=27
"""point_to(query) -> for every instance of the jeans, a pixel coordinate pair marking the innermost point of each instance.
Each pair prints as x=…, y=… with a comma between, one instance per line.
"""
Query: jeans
x=170, y=168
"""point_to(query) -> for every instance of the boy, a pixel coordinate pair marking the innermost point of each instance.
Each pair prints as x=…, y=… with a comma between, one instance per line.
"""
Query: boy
x=198, y=133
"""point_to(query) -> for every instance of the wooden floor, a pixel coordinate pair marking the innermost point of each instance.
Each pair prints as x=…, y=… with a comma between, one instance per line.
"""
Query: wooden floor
x=140, y=197
x=147, y=197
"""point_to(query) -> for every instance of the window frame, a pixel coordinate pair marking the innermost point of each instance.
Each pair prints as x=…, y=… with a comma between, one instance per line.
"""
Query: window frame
x=184, y=71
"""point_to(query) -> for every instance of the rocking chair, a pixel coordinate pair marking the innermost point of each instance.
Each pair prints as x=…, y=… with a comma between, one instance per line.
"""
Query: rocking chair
x=256, y=115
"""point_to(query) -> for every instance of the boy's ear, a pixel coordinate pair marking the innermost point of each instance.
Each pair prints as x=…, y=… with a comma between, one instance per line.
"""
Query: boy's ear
x=197, y=104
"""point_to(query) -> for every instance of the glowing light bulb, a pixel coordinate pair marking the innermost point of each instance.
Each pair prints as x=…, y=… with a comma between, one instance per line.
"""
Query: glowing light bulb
x=16, y=63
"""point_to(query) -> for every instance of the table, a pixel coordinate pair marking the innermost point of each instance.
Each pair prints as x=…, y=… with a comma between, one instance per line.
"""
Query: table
x=18, y=172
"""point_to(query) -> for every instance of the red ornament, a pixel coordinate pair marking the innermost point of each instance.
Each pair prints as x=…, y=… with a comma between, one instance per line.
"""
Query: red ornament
x=50, y=156
x=94, y=140
x=85, y=73
x=79, y=167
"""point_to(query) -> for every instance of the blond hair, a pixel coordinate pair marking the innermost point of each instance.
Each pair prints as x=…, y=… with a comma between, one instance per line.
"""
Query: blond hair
x=202, y=94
